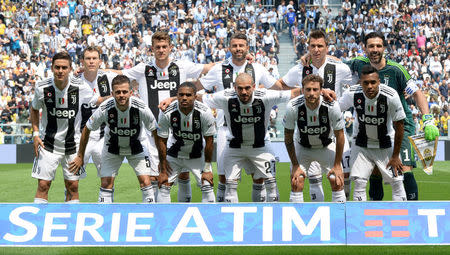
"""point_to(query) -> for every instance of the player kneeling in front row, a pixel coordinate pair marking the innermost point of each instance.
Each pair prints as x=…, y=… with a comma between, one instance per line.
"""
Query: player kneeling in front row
x=126, y=116
x=378, y=108
x=315, y=120
x=190, y=121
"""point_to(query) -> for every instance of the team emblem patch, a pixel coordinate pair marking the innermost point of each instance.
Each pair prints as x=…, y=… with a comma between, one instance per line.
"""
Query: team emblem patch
x=302, y=113
x=382, y=108
x=330, y=77
x=74, y=98
x=197, y=124
x=324, y=119
x=135, y=120
x=358, y=101
x=49, y=94
x=227, y=71
x=151, y=73
x=173, y=71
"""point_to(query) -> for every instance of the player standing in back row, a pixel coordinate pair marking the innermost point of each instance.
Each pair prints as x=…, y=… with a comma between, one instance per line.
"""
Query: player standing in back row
x=60, y=98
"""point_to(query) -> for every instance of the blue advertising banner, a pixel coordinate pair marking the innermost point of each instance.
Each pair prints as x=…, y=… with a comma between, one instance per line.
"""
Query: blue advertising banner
x=398, y=223
x=172, y=224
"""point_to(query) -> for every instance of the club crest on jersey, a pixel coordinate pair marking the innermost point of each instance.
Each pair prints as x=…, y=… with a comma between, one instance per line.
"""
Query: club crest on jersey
x=135, y=120
x=324, y=119
x=74, y=98
x=382, y=108
x=197, y=124
x=330, y=76
x=258, y=109
x=104, y=86
x=173, y=71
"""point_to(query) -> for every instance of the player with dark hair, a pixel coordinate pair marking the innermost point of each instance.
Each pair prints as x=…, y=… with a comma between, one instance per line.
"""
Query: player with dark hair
x=184, y=125
x=126, y=117
x=378, y=133
x=61, y=98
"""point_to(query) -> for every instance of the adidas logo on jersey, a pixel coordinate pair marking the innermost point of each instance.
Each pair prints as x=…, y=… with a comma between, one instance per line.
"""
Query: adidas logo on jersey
x=124, y=132
x=371, y=120
x=188, y=136
x=63, y=113
x=313, y=130
x=171, y=85
x=244, y=120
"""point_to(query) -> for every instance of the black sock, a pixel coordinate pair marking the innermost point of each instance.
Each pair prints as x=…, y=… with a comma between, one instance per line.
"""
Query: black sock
x=412, y=192
x=376, y=192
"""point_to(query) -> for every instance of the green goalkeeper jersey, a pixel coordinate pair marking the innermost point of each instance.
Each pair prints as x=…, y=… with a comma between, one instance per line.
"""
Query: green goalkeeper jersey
x=395, y=76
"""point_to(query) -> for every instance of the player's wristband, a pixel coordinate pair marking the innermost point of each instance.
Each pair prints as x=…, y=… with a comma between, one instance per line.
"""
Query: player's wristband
x=207, y=168
x=35, y=133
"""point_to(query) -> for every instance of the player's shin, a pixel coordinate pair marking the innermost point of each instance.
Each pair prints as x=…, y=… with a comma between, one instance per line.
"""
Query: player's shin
x=296, y=197
x=207, y=193
x=155, y=188
x=398, y=191
x=148, y=194
x=359, y=191
x=256, y=192
x=164, y=194
x=271, y=189
x=316, y=189
x=376, y=192
x=347, y=187
x=412, y=192
x=221, y=192
x=184, y=191
x=338, y=196
x=106, y=195
x=38, y=200
x=231, y=195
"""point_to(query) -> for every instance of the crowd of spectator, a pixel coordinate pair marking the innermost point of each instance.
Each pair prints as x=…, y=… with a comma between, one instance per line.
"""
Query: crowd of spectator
x=32, y=31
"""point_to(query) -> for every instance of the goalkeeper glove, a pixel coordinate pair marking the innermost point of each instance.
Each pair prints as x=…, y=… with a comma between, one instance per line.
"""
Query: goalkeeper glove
x=430, y=130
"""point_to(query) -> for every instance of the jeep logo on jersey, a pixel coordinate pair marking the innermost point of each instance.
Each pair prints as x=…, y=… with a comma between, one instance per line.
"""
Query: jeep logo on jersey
x=124, y=131
x=371, y=120
x=313, y=130
x=188, y=136
x=63, y=113
x=244, y=120
x=171, y=85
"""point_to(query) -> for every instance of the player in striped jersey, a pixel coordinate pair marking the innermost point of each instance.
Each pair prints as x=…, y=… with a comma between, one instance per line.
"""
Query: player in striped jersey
x=126, y=117
x=100, y=82
x=247, y=113
x=159, y=80
x=316, y=121
x=60, y=99
x=375, y=141
x=337, y=76
x=185, y=124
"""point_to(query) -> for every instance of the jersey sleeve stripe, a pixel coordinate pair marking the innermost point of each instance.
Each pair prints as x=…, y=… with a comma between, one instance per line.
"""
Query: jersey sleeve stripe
x=402, y=68
x=364, y=59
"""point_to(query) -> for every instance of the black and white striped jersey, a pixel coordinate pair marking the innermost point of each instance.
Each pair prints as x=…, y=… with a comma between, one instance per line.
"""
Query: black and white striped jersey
x=186, y=132
x=61, y=118
x=314, y=126
x=373, y=126
x=157, y=84
x=123, y=135
x=102, y=87
x=247, y=123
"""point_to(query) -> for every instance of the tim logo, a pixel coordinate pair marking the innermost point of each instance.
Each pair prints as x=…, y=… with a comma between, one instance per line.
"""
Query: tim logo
x=392, y=221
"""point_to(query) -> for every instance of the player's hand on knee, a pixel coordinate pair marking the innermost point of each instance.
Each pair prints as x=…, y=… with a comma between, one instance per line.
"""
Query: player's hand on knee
x=76, y=164
x=336, y=177
x=207, y=176
x=298, y=178
x=163, y=178
x=395, y=165
x=37, y=143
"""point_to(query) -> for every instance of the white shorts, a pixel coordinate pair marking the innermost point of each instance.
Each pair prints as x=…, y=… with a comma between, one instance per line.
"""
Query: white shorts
x=94, y=149
x=221, y=144
x=346, y=156
x=363, y=161
x=112, y=162
x=257, y=161
x=45, y=165
x=178, y=166
x=150, y=146
x=323, y=156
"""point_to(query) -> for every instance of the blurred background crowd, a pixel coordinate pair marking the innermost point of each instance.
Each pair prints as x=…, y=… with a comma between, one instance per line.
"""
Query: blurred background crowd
x=32, y=31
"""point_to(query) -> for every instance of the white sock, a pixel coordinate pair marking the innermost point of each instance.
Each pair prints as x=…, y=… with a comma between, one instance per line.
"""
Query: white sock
x=184, y=191
x=221, y=192
x=148, y=194
x=316, y=189
x=164, y=194
x=347, y=187
x=231, y=195
x=207, y=193
x=296, y=197
x=106, y=195
x=38, y=200
x=73, y=201
x=271, y=190
x=398, y=191
x=155, y=189
x=338, y=196
x=359, y=190
x=256, y=193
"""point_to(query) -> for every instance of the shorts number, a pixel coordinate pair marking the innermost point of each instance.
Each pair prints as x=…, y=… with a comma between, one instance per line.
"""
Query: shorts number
x=147, y=161
x=270, y=167
x=406, y=157
x=346, y=159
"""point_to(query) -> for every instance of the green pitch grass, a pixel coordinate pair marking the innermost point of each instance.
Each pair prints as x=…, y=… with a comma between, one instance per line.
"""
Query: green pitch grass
x=18, y=186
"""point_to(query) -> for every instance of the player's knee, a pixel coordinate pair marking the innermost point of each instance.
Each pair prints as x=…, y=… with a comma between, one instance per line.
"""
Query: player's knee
x=376, y=171
x=346, y=175
x=222, y=179
x=72, y=186
x=144, y=180
x=153, y=178
x=44, y=186
x=107, y=182
x=183, y=176
x=258, y=181
x=360, y=184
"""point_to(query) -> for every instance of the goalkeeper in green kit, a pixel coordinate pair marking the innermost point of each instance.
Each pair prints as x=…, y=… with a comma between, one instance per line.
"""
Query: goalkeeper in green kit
x=396, y=76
